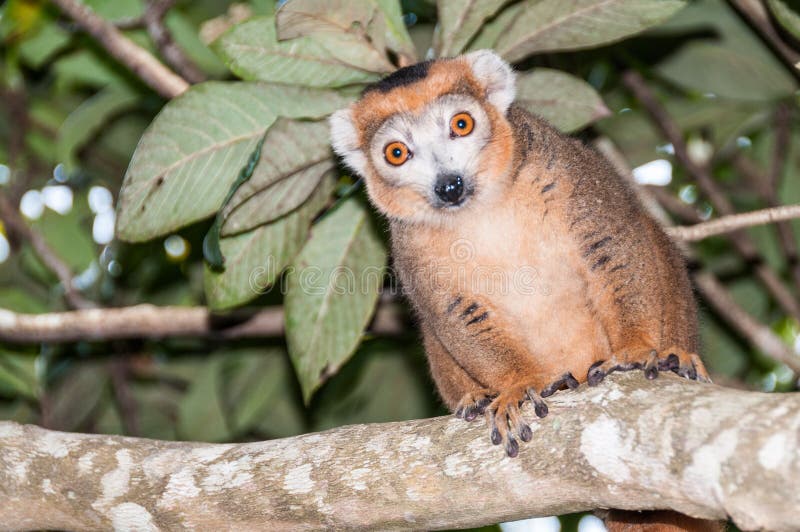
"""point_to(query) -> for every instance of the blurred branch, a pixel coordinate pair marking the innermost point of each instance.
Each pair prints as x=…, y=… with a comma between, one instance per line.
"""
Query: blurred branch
x=755, y=14
x=734, y=222
x=615, y=451
x=151, y=322
x=154, y=15
x=140, y=61
x=759, y=334
x=740, y=240
x=713, y=292
x=19, y=229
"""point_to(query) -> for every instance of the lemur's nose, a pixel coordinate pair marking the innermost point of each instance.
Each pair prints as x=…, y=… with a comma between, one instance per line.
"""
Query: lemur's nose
x=449, y=188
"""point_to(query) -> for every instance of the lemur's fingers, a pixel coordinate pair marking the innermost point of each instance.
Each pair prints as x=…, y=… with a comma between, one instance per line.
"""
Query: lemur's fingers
x=567, y=379
x=685, y=364
x=473, y=405
x=651, y=366
x=539, y=406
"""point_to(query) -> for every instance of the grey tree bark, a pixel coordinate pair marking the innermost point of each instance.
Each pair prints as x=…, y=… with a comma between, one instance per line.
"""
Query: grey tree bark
x=629, y=443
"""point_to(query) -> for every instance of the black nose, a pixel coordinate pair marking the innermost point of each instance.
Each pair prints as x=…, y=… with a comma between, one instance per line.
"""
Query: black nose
x=449, y=188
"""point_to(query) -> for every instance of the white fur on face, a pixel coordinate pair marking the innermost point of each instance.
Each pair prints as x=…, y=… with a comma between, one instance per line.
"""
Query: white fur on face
x=433, y=151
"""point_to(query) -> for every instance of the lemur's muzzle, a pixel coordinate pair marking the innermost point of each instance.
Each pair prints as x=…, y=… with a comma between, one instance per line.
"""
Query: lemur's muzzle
x=449, y=188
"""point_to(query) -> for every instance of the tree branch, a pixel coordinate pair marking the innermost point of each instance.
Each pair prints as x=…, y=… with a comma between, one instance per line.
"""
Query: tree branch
x=754, y=13
x=734, y=222
x=21, y=231
x=140, y=61
x=629, y=443
x=151, y=322
x=740, y=240
x=154, y=14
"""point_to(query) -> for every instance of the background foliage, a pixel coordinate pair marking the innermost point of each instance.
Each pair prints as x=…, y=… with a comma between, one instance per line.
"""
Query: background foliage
x=82, y=135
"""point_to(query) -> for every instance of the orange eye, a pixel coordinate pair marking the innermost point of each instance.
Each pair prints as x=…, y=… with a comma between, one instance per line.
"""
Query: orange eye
x=396, y=153
x=461, y=125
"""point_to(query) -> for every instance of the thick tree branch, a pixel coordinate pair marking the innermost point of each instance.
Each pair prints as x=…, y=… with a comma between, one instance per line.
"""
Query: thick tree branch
x=629, y=443
x=734, y=222
x=151, y=322
x=130, y=54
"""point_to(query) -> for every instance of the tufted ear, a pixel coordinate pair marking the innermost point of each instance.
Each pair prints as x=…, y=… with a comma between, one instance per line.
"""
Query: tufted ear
x=344, y=139
x=496, y=76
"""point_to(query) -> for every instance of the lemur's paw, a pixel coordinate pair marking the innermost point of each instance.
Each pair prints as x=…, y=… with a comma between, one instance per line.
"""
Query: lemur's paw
x=474, y=404
x=506, y=425
x=674, y=359
x=566, y=380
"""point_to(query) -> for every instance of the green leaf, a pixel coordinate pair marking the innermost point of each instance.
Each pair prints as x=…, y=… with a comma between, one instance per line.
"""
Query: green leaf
x=18, y=375
x=254, y=260
x=567, y=102
x=397, y=37
x=211, y=250
x=191, y=154
x=200, y=416
x=84, y=68
x=84, y=122
x=331, y=292
x=186, y=37
x=460, y=20
x=352, y=31
x=293, y=159
x=786, y=16
x=76, y=395
x=252, y=51
x=257, y=392
x=40, y=47
x=69, y=236
x=733, y=63
x=727, y=72
x=491, y=31
x=550, y=25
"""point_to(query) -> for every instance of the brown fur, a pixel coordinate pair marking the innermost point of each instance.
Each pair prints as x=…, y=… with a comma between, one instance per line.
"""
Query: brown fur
x=608, y=285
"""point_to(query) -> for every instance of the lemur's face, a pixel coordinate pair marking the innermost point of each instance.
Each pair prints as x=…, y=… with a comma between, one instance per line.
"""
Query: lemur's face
x=435, y=152
x=432, y=141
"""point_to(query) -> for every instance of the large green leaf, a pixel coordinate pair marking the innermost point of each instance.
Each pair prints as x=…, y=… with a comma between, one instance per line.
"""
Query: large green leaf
x=18, y=375
x=726, y=72
x=569, y=103
x=331, y=292
x=294, y=156
x=192, y=152
x=252, y=51
x=731, y=63
x=200, y=416
x=460, y=20
x=550, y=25
x=253, y=260
x=353, y=31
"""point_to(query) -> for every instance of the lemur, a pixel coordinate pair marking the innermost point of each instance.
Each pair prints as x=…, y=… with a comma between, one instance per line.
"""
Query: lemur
x=528, y=260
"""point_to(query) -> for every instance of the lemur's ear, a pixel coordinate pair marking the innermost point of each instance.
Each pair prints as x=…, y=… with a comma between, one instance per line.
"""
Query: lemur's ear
x=496, y=75
x=344, y=139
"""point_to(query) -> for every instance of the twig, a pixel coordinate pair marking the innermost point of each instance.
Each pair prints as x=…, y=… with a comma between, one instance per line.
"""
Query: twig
x=154, y=15
x=755, y=15
x=712, y=291
x=629, y=443
x=741, y=241
x=726, y=224
x=151, y=322
x=136, y=58
x=21, y=231
x=130, y=23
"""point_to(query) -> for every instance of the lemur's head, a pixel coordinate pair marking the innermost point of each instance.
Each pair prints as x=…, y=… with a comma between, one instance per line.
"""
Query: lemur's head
x=431, y=140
